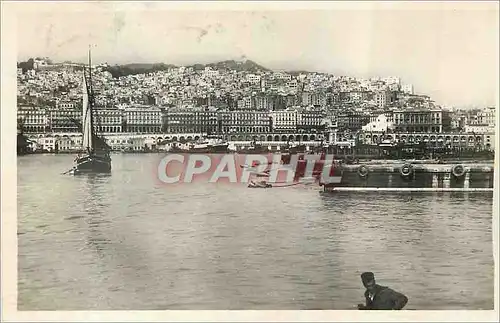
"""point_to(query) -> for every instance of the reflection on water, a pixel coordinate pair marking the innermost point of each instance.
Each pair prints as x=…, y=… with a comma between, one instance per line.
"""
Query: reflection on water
x=96, y=207
x=123, y=241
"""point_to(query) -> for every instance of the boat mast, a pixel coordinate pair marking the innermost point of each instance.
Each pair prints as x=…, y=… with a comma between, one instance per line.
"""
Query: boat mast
x=91, y=102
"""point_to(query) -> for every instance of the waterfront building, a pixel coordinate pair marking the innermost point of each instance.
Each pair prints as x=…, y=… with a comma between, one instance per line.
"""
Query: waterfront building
x=47, y=144
x=284, y=121
x=123, y=143
x=422, y=120
x=55, y=143
x=339, y=137
x=352, y=120
x=244, y=122
x=452, y=140
x=381, y=124
x=374, y=115
x=67, y=144
x=63, y=120
x=240, y=122
x=195, y=121
x=109, y=120
x=33, y=120
x=144, y=119
x=310, y=121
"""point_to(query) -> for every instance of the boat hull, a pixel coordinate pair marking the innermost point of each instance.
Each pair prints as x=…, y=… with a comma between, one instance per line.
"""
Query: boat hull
x=222, y=149
x=213, y=149
x=254, y=151
x=92, y=164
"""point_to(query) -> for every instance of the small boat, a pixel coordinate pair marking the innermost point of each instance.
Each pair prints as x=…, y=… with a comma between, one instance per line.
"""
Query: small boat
x=211, y=144
x=387, y=144
x=255, y=148
x=96, y=157
x=261, y=184
x=207, y=145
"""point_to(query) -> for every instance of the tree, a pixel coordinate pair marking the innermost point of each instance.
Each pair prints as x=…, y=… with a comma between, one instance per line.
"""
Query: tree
x=28, y=65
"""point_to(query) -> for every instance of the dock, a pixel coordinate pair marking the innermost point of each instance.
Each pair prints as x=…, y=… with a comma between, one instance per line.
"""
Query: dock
x=414, y=176
x=409, y=189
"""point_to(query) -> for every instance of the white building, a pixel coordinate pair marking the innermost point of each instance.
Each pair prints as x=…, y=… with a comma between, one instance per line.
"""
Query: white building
x=209, y=72
x=66, y=143
x=286, y=120
x=489, y=140
x=392, y=80
x=47, y=143
x=480, y=129
x=65, y=105
x=310, y=120
x=382, y=123
x=382, y=98
x=488, y=115
x=126, y=143
x=39, y=63
x=33, y=120
x=282, y=76
x=109, y=120
x=143, y=119
x=254, y=79
x=407, y=88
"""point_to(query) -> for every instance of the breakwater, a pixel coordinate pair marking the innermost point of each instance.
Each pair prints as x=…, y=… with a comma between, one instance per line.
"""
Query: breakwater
x=415, y=174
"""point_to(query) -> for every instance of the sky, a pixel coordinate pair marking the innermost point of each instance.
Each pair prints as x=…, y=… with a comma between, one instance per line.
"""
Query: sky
x=446, y=50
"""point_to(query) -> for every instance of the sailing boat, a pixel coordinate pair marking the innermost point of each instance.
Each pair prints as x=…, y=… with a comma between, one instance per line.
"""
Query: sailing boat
x=96, y=157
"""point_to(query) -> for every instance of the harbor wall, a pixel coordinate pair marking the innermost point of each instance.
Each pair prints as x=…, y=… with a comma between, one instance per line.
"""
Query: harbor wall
x=416, y=174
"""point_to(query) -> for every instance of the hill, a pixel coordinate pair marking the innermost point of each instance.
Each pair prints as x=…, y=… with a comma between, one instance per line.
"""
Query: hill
x=240, y=66
x=141, y=68
x=244, y=65
x=137, y=68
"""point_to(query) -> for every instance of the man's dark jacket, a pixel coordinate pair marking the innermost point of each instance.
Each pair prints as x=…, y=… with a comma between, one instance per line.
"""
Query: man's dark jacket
x=385, y=299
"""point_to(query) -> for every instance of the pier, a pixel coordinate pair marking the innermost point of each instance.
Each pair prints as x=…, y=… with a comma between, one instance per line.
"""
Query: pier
x=408, y=189
x=414, y=176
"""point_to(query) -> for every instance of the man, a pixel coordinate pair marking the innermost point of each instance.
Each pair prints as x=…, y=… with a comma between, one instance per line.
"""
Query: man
x=380, y=297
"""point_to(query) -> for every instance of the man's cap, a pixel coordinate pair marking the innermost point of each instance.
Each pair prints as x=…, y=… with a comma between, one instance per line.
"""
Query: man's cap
x=367, y=277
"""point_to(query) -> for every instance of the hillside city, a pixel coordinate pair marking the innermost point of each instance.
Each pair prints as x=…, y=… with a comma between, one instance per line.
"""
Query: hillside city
x=242, y=101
